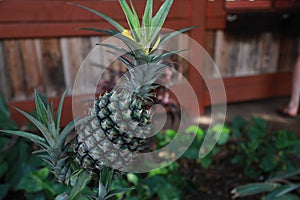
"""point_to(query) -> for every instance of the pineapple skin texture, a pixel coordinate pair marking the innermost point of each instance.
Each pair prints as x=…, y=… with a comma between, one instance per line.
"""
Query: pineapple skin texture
x=117, y=131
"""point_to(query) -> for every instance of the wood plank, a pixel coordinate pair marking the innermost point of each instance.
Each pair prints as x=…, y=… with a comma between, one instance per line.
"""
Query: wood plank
x=72, y=56
x=286, y=3
x=5, y=84
x=268, y=52
x=198, y=19
x=215, y=23
x=63, y=29
x=53, y=10
x=252, y=87
x=288, y=53
x=32, y=69
x=248, y=5
x=215, y=9
x=15, y=69
x=29, y=105
x=53, y=74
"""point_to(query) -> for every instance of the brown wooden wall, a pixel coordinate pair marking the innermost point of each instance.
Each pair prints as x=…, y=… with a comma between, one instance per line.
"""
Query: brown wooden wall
x=41, y=48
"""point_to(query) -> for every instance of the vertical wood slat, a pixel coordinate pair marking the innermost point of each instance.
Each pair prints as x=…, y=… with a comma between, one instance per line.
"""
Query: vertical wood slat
x=53, y=74
x=289, y=52
x=15, y=68
x=72, y=57
x=209, y=65
x=197, y=19
x=268, y=52
x=221, y=54
x=32, y=69
x=5, y=86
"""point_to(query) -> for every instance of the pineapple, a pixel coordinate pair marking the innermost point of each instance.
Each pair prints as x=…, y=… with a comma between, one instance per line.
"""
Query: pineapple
x=120, y=119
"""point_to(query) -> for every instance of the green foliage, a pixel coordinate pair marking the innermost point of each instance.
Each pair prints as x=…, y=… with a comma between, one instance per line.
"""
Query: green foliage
x=279, y=187
x=20, y=171
x=262, y=151
x=164, y=184
x=193, y=151
x=167, y=183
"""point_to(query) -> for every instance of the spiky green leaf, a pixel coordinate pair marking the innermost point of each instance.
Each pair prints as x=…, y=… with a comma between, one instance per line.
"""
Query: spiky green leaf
x=114, y=192
x=47, y=135
x=174, y=34
x=160, y=17
x=147, y=17
x=132, y=19
x=254, y=188
x=167, y=55
x=32, y=137
x=65, y=133
x=105, y=17
x=41, y=109
x=59, y=110
x=280, y=191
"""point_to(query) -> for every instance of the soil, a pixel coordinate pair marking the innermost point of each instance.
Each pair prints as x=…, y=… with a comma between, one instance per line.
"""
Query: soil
x=216, y=182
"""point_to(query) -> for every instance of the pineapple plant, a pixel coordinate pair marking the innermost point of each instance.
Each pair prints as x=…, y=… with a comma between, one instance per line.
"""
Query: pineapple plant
x=120, y=119
x=118, y=124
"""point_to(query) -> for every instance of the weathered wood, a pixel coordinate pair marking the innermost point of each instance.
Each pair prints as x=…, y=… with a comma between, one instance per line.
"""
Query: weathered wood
x=32, y=69
x=289, y=47
x=72, y=55
x=248, y=5
x=15, y=68
x=247, y=88
x=58, y=18
x=5, y=83
x=268, y=52
x=222, y=53
x=53, y=74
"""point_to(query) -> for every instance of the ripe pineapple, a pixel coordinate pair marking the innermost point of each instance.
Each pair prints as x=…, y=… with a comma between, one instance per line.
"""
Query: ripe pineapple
x=120, y=120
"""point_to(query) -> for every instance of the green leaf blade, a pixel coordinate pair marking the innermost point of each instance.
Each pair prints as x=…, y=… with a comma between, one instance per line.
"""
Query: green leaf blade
x=105, y=17
x=59, y=110
x=32, y=137
x=47, y=135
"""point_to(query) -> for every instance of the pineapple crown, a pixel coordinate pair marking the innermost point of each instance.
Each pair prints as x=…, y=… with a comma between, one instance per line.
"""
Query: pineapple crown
x=142, y=38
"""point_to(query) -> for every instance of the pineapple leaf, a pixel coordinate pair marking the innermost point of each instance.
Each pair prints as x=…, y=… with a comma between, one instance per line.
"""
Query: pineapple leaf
x=160, y=17
x=59, y=110
x=127, y=63
x=132, y=45
x=51, y=124
x=81, y=182
x=41, y=109
x=147, y=17
x=32, y=137
x=47, y=135
x=166, y=55
x=173, y=34
x=114, y=192
x=132, y=19
x=107, y=18
x=108, y=31
x=137, y=25
x=65, y=133
x=69, y=128
x=122, y=50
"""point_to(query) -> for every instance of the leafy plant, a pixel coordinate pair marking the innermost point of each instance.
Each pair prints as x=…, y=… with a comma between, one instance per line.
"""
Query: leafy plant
x=193, y=151
x=168, y=183
x=20, y=171
x=262, y=151
x=281, y=186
